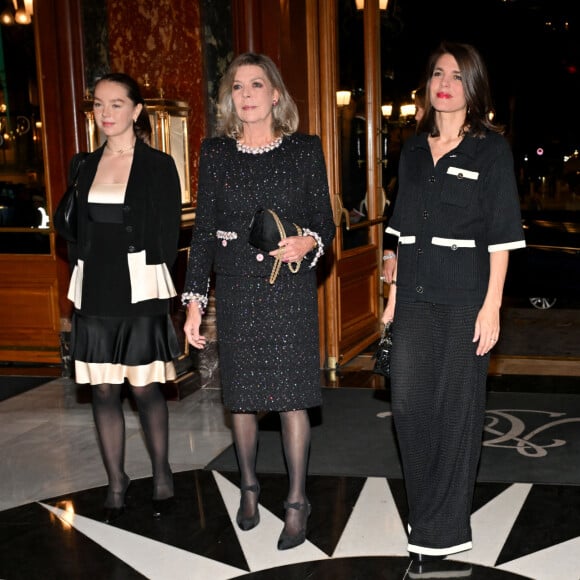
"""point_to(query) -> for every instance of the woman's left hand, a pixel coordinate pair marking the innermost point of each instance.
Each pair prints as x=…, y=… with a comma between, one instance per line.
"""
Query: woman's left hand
x=295, y=248
x=486, y=329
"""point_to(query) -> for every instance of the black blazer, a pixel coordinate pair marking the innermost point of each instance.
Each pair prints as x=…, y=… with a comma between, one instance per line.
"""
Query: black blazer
x=152, y=207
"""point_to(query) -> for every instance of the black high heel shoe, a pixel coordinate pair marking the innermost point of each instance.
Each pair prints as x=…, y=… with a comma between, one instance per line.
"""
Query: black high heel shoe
x=287, y=541
x=246, y=524
x=161, y=507
x=112, y=513
x=164, y=505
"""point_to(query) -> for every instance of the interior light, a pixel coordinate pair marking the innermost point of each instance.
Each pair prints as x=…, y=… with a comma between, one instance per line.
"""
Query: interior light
x=360, y=4
x=7, y=18
x=343, y=98
x=22, y=17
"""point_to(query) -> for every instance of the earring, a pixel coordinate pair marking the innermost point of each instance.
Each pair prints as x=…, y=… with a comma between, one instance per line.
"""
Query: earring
x=274, y=102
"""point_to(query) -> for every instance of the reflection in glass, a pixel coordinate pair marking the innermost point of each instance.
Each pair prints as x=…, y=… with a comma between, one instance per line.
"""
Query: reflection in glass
x=22, y=191
x=352, y=123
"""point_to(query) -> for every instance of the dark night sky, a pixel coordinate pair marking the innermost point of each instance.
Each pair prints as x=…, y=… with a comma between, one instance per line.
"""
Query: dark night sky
x=533, y=65
x=529, y=61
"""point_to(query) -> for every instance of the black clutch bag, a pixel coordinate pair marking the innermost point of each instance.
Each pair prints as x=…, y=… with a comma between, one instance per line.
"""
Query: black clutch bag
x=382, y=355
x=267, y=230
x=65, y=216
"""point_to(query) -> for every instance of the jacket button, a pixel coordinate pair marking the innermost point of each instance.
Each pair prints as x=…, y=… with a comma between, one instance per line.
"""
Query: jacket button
x=425, y=214
x=129, y=229
x=432, y=179
x=454, y=247
x=460, y=176
x=419, y=289
x=131, y=249
x=420, y=251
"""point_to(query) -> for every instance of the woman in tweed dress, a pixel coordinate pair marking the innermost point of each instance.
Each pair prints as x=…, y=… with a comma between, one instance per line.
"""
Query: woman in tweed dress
x=267, y=332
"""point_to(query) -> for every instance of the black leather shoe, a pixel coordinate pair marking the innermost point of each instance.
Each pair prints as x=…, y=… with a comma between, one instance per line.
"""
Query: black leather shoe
x=422, y=558
x=112, y=513
x=246, y=524
x=161, y=507
x=287, y=541
x=438, y=569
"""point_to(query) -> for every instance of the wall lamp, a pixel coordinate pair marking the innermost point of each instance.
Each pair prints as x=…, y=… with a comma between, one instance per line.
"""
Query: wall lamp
x=343, y=98
x=387, y=110
x=360, y=4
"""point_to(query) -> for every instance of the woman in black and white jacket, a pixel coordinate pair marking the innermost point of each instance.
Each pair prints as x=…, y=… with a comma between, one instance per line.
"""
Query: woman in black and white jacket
x=457, y=217
x=129, y=209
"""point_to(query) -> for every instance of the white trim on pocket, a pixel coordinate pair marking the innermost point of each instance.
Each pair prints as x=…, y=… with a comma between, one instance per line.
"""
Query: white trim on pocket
x=452, y=243
x=407, y=239
x=392, y=231
x=462, y=173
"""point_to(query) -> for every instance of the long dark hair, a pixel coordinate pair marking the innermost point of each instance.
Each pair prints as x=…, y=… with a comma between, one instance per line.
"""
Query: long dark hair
x=142, y=126
x=475, y=80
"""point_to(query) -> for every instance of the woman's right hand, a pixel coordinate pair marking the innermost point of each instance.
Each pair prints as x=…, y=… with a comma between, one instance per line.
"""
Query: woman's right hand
x=192, y=325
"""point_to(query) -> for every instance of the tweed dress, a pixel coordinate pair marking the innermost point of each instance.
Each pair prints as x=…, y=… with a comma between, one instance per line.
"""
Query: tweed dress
x=267, y=333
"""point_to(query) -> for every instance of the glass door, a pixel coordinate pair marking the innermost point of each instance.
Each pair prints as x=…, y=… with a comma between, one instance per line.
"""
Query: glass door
x=351, y=52
x=24, y=221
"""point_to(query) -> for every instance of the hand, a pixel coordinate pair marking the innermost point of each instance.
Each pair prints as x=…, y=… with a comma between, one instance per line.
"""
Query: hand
x=192, y=325
x=294, y=248
x=389, y=267
x=486, y=329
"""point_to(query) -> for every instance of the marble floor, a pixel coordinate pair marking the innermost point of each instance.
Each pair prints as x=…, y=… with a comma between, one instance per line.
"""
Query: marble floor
x=52, y=486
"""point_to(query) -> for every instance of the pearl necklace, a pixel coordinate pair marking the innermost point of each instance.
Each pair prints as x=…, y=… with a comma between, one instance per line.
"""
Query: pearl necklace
x=261, y=149
x=120, y=151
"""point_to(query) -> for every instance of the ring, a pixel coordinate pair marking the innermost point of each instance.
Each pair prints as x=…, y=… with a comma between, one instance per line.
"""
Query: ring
x=383, y=278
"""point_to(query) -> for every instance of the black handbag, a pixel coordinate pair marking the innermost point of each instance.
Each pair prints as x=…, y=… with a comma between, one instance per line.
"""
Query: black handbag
x=382, y=355
x=65, y=216
x=267, y=230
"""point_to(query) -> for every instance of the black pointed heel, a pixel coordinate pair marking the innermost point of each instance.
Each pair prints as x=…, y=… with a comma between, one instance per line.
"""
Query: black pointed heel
x=162, y=507
x=246, y=524
x=287, y=541
x=112, y=513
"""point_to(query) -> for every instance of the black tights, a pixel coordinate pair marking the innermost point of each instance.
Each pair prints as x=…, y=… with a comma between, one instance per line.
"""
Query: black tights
x=296, y=443
x=110, y=424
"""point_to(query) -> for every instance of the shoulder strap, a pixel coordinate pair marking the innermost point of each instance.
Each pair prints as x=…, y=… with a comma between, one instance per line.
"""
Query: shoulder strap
x=80, y=158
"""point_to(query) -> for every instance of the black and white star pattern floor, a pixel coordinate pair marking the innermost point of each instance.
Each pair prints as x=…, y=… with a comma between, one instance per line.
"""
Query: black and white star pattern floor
x=53, y=485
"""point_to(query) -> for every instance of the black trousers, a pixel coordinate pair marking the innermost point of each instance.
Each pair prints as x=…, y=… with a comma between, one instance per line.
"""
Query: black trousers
x=438, y=391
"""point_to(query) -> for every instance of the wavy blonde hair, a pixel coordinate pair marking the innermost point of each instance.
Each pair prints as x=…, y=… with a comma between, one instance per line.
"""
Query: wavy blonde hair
x=284, y=115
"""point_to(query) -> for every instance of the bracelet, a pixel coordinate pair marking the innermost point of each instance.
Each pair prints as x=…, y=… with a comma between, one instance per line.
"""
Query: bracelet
x=199, y=299
x=389, y=257
x=319, y=246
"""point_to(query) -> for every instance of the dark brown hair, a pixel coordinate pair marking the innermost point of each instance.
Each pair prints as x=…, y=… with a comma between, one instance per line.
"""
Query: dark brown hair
x=475, y=80
x=142, y=126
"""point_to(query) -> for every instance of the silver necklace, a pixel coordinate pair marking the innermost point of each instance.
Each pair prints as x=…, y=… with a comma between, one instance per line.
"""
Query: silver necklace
x=260, y=149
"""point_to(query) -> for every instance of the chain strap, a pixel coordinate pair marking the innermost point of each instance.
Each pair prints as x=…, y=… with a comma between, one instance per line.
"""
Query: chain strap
x=278, y=259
